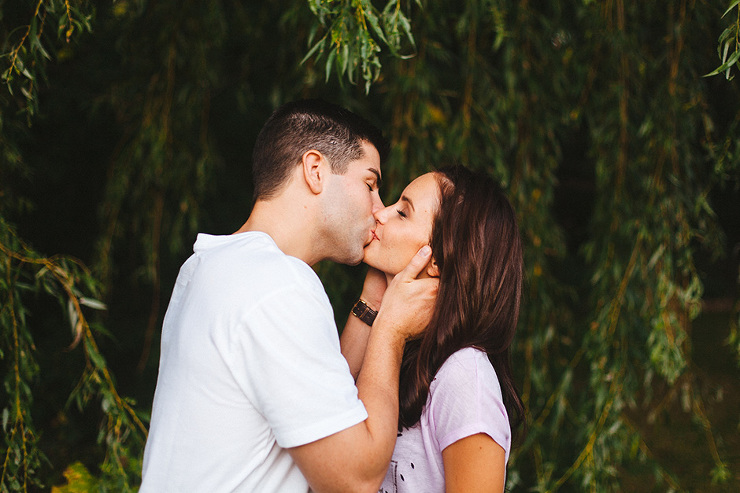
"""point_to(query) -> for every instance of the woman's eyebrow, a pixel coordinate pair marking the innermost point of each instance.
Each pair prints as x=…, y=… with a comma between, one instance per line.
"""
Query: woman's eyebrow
x=408, y=201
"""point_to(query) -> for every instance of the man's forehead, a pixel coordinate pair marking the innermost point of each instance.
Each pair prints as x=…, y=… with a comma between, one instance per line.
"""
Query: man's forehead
x=368, y=162
x=372, y=159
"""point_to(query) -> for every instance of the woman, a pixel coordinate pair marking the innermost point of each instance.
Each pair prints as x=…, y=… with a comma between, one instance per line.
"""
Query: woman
x=456, y=388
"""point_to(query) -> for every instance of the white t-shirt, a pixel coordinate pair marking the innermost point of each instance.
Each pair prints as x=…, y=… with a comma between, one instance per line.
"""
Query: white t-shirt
x=464, y=399
x=250, y=365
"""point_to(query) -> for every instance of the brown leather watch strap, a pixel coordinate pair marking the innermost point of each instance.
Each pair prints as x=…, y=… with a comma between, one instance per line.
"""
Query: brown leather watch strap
x=364, y=312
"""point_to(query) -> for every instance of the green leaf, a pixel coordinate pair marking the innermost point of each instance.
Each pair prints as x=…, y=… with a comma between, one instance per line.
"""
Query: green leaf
x=93, y=303
x=73, y=318
x=343, y=59
x=79, y=480
x=728, y=33
x=375, y=24
x=330, y=62
x=406, y=25
x=36, y=43
x=732, y=6
x=725, y=66
x=94, y=355
x=720, y=474
x=318, y=46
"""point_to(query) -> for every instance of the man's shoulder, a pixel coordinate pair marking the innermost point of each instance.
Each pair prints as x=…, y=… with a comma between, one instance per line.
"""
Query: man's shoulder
x=251, y=251
x=253, y=262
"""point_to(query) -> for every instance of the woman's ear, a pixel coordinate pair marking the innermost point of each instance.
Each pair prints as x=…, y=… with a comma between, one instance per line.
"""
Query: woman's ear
x=313, y=167
x=432, y=268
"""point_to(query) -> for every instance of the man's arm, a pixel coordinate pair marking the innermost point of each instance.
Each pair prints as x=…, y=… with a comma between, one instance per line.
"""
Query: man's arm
x=357, y=458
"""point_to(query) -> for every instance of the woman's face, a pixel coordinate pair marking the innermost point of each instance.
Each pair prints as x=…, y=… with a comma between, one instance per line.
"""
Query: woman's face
x=403, y=228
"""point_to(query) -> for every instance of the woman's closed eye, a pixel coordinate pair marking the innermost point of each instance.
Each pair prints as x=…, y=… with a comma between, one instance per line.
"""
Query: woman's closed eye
x=401, y=213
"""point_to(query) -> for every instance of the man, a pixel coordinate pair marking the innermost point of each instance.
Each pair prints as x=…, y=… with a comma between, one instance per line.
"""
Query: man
x=253, y=393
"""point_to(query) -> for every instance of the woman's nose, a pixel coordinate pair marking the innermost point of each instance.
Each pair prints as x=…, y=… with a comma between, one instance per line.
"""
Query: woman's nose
x=382, y=215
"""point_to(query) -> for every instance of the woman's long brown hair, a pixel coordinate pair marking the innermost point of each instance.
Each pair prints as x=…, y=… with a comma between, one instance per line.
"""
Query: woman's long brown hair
x=476, y=245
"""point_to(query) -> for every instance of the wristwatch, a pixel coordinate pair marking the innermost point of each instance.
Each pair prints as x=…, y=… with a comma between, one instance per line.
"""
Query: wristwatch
x=364, y=312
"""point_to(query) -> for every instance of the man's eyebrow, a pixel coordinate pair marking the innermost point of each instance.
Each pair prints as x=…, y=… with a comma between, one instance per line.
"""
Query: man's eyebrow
x=378, y=179
x=408, y=201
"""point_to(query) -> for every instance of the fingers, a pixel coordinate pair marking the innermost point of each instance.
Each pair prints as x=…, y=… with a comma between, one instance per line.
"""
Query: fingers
x=417, y=264
x=409, y=302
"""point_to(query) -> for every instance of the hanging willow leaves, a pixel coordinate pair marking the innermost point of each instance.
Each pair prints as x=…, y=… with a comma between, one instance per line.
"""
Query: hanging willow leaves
x=594, y=116
x=122, y=431
x=728, y=47
x=354, y=32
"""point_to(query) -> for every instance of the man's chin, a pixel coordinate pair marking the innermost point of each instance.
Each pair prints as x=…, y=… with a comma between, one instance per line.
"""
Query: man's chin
x=354, y=259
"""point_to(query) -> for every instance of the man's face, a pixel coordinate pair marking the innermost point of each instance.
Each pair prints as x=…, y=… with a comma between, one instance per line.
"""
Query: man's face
x=351, y=201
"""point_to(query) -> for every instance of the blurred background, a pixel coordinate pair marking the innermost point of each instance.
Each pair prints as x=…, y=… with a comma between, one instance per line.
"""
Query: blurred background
x=126, y=127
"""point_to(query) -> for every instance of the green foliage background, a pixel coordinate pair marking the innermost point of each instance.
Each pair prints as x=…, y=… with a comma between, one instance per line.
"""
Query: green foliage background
x=126, y=127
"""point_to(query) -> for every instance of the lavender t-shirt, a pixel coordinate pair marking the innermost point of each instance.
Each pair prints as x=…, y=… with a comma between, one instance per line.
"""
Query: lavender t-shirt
x=464, y=400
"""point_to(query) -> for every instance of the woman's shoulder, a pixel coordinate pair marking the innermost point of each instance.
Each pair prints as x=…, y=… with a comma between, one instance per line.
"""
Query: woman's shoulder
x=468, y=364
x=465, y=399
x=470, y=353
x=467, y=358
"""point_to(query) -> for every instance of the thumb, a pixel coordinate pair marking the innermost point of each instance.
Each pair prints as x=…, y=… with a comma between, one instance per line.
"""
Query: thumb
x=417, y=263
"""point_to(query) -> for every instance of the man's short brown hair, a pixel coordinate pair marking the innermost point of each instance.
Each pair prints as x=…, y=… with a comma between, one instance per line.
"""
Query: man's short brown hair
x=308, y=124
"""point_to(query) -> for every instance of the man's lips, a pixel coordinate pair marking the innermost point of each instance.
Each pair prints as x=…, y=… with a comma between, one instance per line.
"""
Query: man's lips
x=373, y=237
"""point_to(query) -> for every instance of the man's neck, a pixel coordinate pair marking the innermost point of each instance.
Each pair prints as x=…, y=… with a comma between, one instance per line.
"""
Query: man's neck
x=293, y=233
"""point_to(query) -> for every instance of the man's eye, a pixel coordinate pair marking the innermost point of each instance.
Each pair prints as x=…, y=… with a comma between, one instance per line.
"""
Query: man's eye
x=370, y=187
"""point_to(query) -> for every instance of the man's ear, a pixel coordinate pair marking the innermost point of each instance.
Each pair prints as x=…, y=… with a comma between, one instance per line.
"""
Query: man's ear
x=432, y=268
x=315, y=167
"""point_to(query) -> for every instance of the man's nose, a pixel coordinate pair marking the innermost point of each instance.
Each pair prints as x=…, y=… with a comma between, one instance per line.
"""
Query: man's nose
x=377, y=204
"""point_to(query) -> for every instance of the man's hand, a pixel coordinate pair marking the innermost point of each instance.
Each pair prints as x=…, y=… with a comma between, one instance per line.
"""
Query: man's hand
x=408, y=302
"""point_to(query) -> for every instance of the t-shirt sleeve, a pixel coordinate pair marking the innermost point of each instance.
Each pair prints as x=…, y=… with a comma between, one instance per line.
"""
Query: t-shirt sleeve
x=293, y=370
x=465, y=399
